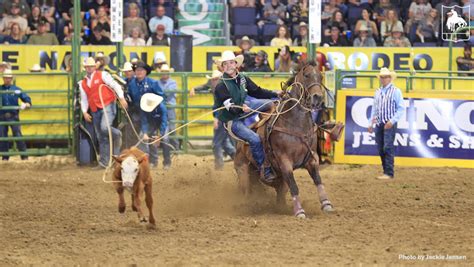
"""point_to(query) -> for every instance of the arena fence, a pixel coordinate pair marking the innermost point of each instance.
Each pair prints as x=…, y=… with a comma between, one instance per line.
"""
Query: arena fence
x=49, y=126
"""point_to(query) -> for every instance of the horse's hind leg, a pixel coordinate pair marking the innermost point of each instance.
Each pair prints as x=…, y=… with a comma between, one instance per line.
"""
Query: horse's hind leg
x=313, y=168
x=287, y=173
x=244, y=179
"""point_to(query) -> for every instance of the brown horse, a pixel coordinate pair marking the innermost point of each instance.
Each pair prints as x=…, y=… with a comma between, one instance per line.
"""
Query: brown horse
x=290, y=140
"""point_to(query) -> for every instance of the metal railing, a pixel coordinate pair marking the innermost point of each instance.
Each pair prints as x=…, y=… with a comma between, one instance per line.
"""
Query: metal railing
x=40, y=144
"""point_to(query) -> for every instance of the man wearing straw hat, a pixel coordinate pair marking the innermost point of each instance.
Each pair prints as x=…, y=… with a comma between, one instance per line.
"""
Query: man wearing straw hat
x=231, y=94
x=94, y=82
x=10, y=94
x=387, y=110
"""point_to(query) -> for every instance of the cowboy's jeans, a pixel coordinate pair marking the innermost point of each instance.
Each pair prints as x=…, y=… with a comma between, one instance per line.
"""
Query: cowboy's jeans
x=246, y=134
x=16, y=131
x=101, y=129
x=221, y=141
x=152, y=150
x=384, y=139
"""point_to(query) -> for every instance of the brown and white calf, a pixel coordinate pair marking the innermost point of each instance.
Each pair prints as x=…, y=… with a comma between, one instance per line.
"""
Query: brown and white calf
x=132, y=172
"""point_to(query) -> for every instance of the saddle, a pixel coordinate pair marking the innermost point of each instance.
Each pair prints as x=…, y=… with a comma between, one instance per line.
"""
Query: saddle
x=333, y=128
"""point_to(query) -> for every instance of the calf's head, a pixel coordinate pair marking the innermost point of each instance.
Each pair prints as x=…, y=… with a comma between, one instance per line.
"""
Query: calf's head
x=129, y=169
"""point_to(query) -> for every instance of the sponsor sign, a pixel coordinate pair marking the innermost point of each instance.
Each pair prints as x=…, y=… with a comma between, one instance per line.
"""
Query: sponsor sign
x=436, y=129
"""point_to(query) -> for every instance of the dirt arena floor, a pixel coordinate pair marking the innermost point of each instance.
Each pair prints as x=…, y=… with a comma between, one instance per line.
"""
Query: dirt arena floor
x=55, y=213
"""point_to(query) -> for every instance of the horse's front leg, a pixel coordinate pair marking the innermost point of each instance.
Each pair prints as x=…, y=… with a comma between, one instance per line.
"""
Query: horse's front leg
x=313, y=169
x=287, y=173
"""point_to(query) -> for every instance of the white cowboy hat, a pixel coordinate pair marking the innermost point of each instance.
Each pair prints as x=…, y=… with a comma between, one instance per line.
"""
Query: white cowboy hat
x=245, y=39
x=387, y=72
x=7, y=73
x=397, y=28
x=101, y=55
x=6, y=64
x=228, y=56
x=303, y=24
x=215, y=74
x=89, y=62
x=150, y=101
x=127, y=66
x=36, y=68
x=165, y=68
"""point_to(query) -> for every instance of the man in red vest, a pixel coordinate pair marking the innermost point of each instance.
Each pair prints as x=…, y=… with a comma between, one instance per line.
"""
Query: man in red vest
x=94, y=82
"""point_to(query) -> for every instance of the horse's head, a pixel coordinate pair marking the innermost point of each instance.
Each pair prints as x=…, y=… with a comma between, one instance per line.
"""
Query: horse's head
x=308, y=81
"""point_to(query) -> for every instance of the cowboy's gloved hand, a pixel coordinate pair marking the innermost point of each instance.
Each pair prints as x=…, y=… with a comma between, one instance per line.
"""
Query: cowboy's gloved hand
x=228, y=104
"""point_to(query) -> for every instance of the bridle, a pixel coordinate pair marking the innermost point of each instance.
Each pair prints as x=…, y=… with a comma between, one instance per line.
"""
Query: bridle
x=306, y=98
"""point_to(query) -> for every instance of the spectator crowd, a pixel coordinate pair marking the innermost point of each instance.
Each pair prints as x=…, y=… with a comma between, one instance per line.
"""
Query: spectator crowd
x=391, y=23
x=49, y=22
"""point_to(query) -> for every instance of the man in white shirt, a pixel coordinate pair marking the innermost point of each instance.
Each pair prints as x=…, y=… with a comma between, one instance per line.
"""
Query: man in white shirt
x=98, y=90
x=161, y=18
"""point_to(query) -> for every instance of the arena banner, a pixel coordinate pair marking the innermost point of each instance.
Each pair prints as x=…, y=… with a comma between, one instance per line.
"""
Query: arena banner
x=52, y=58
x=436, y=130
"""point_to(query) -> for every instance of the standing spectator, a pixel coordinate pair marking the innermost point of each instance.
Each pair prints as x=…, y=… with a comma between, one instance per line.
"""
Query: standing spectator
x=97, y=38
x=33, y=20
x=337, y=20
x=261, y=62
x=302, y=38
x=16, y=35
x=466, y=63
x=282, y=37
x=159, y=38
x=162, y=19
x=24, y=7
x=397, y=39
x=5, y=23
x=419, y=10
x=370, y=25
x=221, y=140
x=273, y=13
x=103, y=20
x=134, y=20
x=134, y=39
x=94, y=6
x=428, y=29
x=299, y=12
x=137, y=88
x=245, y=44
x=283, y=63
x=391, y=21
x=387, y=109
x=381, y=9
x=328, y=10
x=364, y=40
x=335, y=39
x=10, y=112
x=169, y=87
x=91, y=99
x=42, y=37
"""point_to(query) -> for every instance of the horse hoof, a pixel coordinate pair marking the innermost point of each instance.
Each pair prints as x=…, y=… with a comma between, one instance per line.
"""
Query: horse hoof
x=151, y=226
x=300, y=214
x=121, y=209
x=328, y=209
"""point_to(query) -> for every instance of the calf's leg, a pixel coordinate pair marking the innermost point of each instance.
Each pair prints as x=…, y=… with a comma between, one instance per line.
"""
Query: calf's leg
x=149, y=202
x=121, y=204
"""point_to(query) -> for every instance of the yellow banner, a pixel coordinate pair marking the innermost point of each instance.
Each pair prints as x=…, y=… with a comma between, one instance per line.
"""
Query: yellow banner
x=51, y=58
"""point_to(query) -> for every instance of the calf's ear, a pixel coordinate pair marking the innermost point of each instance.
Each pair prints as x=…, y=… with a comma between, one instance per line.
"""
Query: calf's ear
x=142, y=158
x=117, y=159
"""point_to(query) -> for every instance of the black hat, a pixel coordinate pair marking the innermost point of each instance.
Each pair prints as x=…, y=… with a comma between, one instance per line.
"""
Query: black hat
x=143, y=65
x=43, y=21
